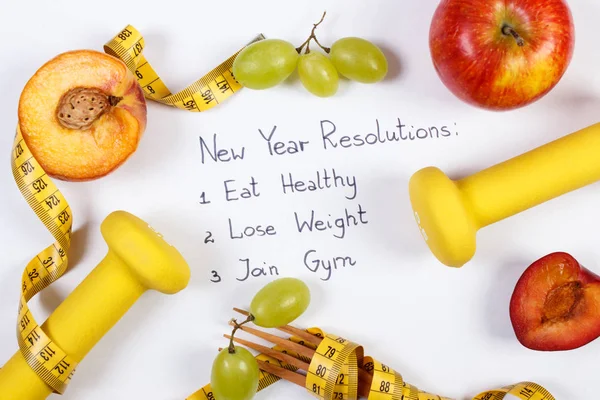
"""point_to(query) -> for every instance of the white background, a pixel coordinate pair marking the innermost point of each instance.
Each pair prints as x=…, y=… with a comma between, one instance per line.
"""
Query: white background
x=446, y=330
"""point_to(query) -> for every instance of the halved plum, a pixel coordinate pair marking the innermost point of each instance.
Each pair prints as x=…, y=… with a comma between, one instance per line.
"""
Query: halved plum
x=556, y=304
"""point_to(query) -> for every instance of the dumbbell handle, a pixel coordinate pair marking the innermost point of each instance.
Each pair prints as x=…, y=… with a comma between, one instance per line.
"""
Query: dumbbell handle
x=532, y=178
x=449, y=213
x=77, y=324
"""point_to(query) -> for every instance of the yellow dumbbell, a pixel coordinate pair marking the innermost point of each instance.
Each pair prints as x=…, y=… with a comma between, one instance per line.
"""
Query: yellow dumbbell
x=138, y=259
x=449, y=213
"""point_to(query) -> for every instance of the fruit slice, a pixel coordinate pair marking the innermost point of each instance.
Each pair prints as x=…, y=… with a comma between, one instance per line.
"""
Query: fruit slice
x=82, y=115
x=556, y=304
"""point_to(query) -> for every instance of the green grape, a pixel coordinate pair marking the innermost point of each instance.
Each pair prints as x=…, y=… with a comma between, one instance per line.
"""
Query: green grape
x=359, y=60
x=280, y=302
x=234, y=376
x=317, y=74
x=265, y=63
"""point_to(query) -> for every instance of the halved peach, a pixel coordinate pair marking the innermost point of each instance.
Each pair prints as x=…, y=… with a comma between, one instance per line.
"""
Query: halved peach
x=82, y=114
x=556, y=304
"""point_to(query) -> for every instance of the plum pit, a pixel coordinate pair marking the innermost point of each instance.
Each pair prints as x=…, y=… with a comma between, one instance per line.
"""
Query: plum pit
x=562, y=301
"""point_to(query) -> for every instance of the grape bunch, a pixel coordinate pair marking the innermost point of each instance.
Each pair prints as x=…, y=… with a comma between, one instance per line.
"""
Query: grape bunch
x=269, y=62
x=235, y=372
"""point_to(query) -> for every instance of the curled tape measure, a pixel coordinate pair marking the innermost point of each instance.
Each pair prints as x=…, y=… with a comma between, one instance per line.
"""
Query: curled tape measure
x=339, y=367
x=205, y=93
x=53, y=365
x=46, y=358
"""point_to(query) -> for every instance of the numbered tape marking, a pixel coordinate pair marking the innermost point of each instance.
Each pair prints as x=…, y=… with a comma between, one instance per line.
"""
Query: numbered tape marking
x=52, y=364
x=204, y=94
x=523, y=390
x=333, y=371
x=386, y=384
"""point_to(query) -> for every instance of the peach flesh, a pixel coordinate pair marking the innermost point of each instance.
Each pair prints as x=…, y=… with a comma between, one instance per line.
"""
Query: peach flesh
x=89, y=140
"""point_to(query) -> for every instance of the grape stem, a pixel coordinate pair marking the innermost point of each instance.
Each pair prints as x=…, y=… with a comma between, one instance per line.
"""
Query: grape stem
x=237, y=326
x=313, y=36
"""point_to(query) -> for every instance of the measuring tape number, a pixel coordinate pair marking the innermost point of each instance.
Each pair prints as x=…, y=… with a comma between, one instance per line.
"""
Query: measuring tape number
x=204, y=94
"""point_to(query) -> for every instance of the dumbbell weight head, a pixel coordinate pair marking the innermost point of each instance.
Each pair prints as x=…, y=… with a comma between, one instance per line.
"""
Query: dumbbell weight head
x=157, y=264
x=444, y=221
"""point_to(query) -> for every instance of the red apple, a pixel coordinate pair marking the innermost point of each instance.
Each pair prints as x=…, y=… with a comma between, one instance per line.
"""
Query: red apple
x=501, y=54
x=556, y=304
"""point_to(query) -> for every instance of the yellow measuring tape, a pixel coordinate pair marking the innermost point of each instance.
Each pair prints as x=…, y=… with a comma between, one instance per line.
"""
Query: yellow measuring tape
x=208, y=91
x=339, y=367
x=53, y=365
x=46, y=358
x=334, y=353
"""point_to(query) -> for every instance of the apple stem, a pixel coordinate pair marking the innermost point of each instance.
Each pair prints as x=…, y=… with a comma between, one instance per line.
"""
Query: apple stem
x=237, y=326
x=510, y=31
